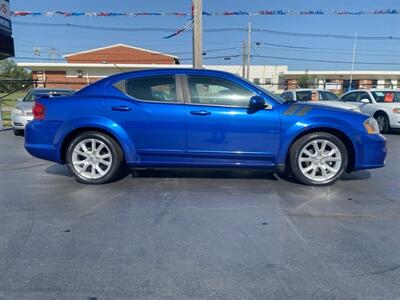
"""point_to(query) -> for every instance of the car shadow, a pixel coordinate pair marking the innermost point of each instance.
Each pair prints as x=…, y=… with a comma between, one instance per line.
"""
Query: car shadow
x=62, y=170
x=204, y=173
x=359, y=175
x=56, y=169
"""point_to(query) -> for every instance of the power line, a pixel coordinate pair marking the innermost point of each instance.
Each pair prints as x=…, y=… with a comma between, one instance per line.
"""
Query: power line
x=223, y=29
x=129, y=60
x=328, y=61
x=327, y=51
x=316, y=48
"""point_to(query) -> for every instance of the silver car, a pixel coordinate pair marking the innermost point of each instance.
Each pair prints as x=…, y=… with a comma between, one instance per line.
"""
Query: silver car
x=21, y=114
x=382, y=104
x=318, y=96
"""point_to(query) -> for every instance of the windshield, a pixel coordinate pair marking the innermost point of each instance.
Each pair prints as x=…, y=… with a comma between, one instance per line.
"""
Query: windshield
x=386, y=96
x=31, y=95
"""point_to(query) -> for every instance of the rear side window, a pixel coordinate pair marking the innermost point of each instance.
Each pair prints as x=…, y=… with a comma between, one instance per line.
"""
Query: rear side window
x=154, y=88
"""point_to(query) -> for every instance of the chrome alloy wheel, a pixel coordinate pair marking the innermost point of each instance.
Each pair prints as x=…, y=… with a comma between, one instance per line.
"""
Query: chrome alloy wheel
x=320, y=160
x=92, y=158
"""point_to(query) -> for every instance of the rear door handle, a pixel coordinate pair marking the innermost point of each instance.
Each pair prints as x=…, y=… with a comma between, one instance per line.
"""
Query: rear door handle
x=200, y=112
x=121, y=108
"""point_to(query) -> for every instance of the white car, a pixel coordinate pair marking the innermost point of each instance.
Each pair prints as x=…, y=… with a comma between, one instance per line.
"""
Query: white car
x=382, y=104
x=21, y=114
x=318, y=96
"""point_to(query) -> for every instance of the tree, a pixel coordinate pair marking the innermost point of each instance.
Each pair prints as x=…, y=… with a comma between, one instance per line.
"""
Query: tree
x=306, y=81
x=13, y=77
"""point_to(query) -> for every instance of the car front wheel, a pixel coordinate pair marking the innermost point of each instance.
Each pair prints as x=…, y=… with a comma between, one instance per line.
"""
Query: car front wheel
x=94, y=158
x=383, y=122
x=318, y=158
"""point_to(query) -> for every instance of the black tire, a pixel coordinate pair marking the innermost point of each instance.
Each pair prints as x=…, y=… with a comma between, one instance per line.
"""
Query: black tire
x=383, y=122
x=295, y=151
x=117, y=164
x=18, y=132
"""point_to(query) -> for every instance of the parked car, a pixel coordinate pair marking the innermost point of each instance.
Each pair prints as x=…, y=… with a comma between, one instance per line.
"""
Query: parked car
x=21, y=114
x=318, y=96
x=382, y=104
x=198, y=118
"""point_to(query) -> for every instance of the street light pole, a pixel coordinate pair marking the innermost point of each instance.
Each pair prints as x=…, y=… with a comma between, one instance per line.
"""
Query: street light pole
x=243, y=60
x=352, y=62
x=197, y=34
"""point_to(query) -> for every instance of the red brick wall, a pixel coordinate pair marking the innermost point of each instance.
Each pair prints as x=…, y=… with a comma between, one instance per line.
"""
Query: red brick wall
x=121, y=55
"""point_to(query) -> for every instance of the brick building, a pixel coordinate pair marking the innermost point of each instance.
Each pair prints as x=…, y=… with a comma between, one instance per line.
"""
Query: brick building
x=83, y=68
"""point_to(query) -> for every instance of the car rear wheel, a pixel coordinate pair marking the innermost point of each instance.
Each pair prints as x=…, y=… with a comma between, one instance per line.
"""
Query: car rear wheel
x=318, y=158
x=383, y=122
x=94, y=158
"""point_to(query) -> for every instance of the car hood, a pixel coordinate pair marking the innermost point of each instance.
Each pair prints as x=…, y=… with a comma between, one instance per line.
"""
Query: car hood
x=25, y=106
x=337, y=104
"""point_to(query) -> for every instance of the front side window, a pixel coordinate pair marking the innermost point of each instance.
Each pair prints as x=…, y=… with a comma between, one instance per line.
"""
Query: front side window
x=350, y=97
x=153, y=88
x=363, y=95
x=216, y=91
x=327, y=96
x=303, y=96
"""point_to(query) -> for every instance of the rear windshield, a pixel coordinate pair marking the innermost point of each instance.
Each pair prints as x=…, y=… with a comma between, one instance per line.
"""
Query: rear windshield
x=31, y=95
x=386, y=96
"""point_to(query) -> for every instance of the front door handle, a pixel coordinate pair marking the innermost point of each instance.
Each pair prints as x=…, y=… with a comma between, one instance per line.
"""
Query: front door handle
x=121, y=108
x=200, y=112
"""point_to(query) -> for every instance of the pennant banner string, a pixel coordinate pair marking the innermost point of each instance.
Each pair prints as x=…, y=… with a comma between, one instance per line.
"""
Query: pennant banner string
x=206, y=13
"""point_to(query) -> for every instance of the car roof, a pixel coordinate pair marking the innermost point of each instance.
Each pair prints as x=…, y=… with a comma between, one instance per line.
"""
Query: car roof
x=374, y=90
x=306, y=90
x=50, y=89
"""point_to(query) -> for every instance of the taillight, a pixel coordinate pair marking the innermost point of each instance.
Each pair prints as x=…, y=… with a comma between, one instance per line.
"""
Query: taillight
x=38, y=111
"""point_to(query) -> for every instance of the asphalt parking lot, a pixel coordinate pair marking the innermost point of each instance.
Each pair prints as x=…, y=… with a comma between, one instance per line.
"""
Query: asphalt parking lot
x=205, y=234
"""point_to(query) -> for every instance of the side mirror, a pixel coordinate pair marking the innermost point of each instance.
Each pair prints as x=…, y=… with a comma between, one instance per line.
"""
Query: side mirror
x=20, y=99
x=365, y=101
x=256, y=103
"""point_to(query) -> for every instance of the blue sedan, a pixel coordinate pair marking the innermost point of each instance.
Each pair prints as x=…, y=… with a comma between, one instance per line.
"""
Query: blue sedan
x=198, y=118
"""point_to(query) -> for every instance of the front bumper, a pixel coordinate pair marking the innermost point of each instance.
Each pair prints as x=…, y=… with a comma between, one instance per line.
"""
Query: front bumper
x=370, y=152
x=394, y=120
x=20, y=121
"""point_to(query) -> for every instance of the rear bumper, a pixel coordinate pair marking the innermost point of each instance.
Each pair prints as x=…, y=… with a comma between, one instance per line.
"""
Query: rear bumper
x=20, y=121
x=371, y=152
x=39, y=141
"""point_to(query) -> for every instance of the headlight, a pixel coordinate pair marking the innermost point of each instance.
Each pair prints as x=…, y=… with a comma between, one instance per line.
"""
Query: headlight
x=371, y=126
x=396, y=110
x=17, y=111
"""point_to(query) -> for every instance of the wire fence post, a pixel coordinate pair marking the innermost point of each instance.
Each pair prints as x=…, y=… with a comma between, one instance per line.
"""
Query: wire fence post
x=1, y=118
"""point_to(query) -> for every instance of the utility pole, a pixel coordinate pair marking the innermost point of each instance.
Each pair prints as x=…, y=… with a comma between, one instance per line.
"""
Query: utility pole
x=197, y=34
x=352, y=62
x=244, y=59
x=1, y=118
x=248, y=51
x=53, y=53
